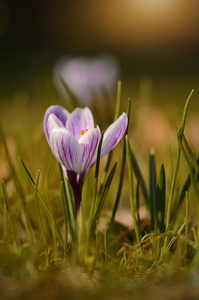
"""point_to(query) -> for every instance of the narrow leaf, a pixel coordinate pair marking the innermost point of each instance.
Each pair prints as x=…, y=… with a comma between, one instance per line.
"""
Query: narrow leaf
x=117, y=199
x=153, y=191
x=102, y=198
x=139, y=177
x=161, y=194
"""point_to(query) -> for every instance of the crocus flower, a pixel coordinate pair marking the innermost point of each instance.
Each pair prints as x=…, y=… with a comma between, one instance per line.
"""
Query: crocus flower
x=86, y=77
x=74, y=142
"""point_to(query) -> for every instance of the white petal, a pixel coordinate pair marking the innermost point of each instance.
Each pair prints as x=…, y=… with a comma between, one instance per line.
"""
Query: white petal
x=61, y=113
x=80, y=119
x=89, y=143
x=66, y=149
x=113, y=134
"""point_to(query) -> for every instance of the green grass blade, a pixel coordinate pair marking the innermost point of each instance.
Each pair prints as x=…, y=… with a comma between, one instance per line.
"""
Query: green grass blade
x=30, y=179
x=38, y=209
x=117, y=112
x=128, y=156
x=161, y=196
x=105, y=171
x=139, y=177
x=44, y=206
x=65, y=215
x=187, y=215
x=189, y=165
x=185, y=188
x=106, y=187
x=138, y=203
x=119, y=100
x=101, y=200
x=128, y=112
x=69, y=206
x=117, y=199
x=8, y=216
x=192, y=156
x=173, y=184
x=93, y=202
x=192, y=177
x=173, y=240
x=153, y=191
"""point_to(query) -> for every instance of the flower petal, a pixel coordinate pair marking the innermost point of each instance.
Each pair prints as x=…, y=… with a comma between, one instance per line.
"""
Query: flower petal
x=89, y=144
x=80, y=119
x=113, y=134
x=52, y=123
x=66, y=149
x=61, y=113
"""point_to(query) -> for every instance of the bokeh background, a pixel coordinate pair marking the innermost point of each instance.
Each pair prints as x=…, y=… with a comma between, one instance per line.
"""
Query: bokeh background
x=150, y=38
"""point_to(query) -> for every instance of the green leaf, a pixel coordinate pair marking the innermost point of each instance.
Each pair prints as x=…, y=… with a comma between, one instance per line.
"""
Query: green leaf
x=135, y=222
x=139, y=177
x=138, y=203
x=68, y=206
x=153, y=191
x=161, y=195
x=117, y=112
x=117, y=199
x=102, y=198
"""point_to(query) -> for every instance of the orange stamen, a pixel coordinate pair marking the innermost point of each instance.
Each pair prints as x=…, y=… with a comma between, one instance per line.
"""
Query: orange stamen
x=82, y=131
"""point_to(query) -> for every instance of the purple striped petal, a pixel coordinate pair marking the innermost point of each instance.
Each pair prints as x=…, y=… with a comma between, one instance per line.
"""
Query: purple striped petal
x=113, y=134
x=80, y=119
x=52, y=123
x=66, y=149
x=89, y=144
x=61, y=113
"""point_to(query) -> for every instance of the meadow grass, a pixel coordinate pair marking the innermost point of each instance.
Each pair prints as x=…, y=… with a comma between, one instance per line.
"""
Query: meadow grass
x=48, y=252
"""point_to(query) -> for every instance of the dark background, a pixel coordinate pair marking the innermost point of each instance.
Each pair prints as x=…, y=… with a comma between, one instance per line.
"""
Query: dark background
x=155, y=38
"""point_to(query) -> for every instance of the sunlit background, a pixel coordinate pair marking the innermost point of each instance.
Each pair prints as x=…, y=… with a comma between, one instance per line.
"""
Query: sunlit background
x=154, y=40
x=148, y=35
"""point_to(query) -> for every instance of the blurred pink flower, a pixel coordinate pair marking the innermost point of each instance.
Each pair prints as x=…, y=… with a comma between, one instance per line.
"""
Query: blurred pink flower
x=86, y=77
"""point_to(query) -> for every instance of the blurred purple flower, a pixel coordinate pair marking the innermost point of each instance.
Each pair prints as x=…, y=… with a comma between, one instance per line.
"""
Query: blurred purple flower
x=74, y=142
x=86, y=78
